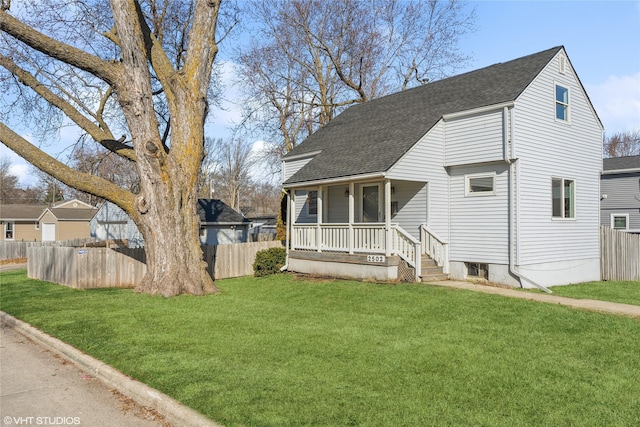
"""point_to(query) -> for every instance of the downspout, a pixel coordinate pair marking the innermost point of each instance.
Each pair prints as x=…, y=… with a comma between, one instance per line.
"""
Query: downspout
x=509, y=153
x=288, y=224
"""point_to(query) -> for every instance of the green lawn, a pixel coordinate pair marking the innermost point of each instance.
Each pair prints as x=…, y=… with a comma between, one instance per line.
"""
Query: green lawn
x=278, y=351
x=624, y=292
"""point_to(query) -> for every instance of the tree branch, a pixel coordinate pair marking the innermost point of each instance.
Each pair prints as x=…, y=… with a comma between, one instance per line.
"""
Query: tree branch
x=72, y=177
x=103, y=136
x=100, y=68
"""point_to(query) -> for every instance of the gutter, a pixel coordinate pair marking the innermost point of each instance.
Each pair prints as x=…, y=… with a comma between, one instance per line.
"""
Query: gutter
x=286, y=239
x=511, y=160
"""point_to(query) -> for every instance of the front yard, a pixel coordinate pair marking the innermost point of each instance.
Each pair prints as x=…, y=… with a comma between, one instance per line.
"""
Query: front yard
x=281, y=351
x=622, y=292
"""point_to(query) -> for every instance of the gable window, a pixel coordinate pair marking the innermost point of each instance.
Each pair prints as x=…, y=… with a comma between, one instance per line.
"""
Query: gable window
x=312, y=203
x=562, y=103
x=563, y=193
x=8, y=231
x=480, y=185
x=620, y=221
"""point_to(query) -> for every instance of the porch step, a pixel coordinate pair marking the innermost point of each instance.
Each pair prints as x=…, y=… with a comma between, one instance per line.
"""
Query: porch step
x=430, y=272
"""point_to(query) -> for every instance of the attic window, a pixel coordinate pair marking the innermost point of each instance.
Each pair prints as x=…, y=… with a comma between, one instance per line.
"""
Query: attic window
x=562, y=103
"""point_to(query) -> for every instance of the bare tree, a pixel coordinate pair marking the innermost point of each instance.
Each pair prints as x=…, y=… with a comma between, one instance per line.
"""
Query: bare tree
x=232, y=160
x=622, y=144
x=137, y=68
x=310, y=59
x=9, y=188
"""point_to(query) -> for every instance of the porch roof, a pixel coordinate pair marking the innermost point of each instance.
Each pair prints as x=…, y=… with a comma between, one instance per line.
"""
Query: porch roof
x=371, y=137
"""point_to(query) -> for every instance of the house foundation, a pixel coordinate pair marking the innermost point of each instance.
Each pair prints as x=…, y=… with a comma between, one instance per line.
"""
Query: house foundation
x=354, y=266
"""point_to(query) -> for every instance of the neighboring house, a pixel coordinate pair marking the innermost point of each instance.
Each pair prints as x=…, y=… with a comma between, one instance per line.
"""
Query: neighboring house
x=493, y=174
x=620, y=193
x=66, y=220
x=219, y=224
x=20, y=222
x=112, y=223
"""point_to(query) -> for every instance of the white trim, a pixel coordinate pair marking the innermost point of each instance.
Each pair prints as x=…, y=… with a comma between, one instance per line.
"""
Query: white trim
x=556, y=102
x=480, y=110
x=13, y=231
x=575, y=204
x=467, y=187
x=301, y=156
x=620, y=171
x=330, y=181
x=626, y=223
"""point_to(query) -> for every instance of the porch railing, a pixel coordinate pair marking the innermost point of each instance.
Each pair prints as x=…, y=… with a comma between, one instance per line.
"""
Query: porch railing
x=436, y=247
x=357, y=238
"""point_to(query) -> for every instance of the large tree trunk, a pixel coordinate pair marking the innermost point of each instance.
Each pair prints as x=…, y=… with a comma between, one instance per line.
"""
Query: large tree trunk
x=175, y=263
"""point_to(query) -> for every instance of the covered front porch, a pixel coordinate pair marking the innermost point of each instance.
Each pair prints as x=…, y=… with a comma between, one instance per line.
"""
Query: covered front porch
x=363, y=229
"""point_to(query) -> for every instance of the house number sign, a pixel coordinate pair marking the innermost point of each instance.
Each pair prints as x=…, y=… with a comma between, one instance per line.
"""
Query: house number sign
x=375, y=258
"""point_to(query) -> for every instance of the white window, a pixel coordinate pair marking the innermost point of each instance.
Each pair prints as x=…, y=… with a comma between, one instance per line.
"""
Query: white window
x=563, y=195
x=8, y=231
x=312, y=203
x=620, y=221
x=480, y=185
x=562, y=103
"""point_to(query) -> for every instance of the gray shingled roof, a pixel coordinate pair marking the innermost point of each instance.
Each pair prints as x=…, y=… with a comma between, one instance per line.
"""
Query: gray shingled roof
x=21, y=212
x=214, y=210
x=371, y=137
x=621, y=163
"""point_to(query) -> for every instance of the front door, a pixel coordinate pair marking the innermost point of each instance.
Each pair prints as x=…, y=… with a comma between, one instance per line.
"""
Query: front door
x=371, y=203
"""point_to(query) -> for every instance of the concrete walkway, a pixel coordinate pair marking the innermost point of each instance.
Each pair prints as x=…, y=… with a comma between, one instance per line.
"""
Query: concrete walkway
x=39, y=386
x=584, y=304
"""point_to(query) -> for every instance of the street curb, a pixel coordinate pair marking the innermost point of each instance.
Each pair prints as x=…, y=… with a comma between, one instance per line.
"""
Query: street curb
x=174, y=412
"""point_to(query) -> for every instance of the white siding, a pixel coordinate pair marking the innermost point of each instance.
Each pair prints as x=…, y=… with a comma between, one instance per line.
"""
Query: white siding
x=547, y=148
x=337, y=205
x=474, y=139
x=289, y=168
x=412, y=206
x=425, y=163
x=302, y=208
x=479, y=224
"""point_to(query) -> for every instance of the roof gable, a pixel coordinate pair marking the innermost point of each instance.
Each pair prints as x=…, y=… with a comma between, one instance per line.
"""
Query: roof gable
x=371, y=137
x=216, y=211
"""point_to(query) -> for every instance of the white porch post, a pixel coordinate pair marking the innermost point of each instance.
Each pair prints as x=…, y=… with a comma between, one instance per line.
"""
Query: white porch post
x=319, y=209
x=387, y=216
x=352, y=198
x=292, y=217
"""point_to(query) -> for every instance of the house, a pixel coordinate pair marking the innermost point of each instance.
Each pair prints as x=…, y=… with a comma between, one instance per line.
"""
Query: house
x=66, y=220
x=112, y=223
x=491, y=174
x=34, y=223
x=219, y=224
x=620, y=193
x=20, y=222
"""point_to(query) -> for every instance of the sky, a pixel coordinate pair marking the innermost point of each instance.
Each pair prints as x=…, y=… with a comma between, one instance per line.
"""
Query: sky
x=602, y=40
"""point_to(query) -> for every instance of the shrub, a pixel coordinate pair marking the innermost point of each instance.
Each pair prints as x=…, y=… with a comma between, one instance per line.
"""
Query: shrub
x=269, y=261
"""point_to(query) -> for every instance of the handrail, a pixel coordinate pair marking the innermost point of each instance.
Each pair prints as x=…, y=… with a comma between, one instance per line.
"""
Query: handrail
x=435, y=246
x=408, y=248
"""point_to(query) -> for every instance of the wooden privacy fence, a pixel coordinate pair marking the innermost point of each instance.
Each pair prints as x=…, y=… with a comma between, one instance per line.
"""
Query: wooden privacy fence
x=619, y=255
x=123, y=268
x=17, y=250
